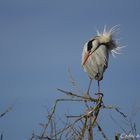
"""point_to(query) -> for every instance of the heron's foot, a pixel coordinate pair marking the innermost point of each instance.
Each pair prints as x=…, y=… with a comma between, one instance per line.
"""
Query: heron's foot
x=99, y=94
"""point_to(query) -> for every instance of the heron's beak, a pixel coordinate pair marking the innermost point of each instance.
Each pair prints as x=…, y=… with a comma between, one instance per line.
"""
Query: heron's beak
x=86, y=56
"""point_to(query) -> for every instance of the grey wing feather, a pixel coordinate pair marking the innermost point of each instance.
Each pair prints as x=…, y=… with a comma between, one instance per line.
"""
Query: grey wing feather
x=102, y=60
x=102, y=53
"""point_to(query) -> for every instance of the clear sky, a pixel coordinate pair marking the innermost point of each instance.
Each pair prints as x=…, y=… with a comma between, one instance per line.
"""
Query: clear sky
x=40, y=39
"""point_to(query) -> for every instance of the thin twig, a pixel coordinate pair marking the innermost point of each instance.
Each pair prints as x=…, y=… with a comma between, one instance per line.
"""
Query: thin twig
x=116, y=136
x=83, y=128
x=67, y=127
x=6, y=111
x=78, y=96
x=72, y=81
x=125, y=116
x=118, y=124
x=1, y=137
x=101, y=131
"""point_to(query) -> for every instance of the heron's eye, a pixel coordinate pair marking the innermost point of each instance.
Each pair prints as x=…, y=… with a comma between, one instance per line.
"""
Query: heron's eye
x=89, y=45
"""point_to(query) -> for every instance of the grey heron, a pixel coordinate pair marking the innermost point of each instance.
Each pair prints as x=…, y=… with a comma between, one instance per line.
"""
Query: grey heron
x=96, y=52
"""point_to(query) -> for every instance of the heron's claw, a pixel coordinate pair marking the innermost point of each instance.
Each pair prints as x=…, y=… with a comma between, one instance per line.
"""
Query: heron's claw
x=99, y=94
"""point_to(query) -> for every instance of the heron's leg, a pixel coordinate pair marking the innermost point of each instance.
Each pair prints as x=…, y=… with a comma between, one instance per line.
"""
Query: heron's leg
x=90, y=82
x=98, y=88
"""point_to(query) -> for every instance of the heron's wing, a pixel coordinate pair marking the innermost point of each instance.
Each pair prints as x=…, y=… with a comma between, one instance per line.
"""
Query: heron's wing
x=102, y=56
x=102, y=59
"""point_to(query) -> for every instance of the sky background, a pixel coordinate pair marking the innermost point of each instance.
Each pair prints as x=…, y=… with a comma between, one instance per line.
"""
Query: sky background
x=40, y=39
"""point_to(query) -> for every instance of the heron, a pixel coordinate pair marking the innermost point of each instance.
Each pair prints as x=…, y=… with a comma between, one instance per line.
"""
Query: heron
x=95, y=55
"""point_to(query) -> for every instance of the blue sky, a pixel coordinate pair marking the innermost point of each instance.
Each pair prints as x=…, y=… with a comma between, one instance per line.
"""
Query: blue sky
x=40, y=39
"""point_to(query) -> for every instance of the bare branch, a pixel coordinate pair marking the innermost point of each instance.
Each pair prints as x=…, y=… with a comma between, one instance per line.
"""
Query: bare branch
x=120, y=112
x=101, y=131
x=72, y=81
x=116, y=136
x=6, y=111
x=84, y=98
x=1, y=137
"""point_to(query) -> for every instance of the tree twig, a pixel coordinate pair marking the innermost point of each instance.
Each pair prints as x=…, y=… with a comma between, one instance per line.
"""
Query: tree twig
x=6, y=111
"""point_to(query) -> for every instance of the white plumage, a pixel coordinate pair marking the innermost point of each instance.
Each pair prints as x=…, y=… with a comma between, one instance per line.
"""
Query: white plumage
x=96, y=51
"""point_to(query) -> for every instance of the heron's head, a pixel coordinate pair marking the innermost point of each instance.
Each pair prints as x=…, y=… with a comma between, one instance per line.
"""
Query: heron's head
x=105, y=38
